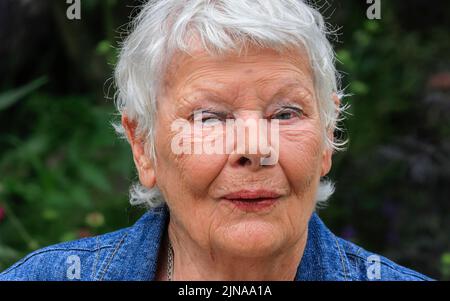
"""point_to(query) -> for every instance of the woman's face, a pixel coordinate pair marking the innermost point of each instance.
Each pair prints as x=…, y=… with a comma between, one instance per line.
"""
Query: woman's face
x=205, y=192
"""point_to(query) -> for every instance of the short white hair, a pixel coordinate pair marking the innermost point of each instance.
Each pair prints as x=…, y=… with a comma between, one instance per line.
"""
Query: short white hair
x=164, y=27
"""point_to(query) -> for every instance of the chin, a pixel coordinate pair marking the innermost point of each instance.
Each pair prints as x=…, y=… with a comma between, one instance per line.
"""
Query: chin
x=251, y=239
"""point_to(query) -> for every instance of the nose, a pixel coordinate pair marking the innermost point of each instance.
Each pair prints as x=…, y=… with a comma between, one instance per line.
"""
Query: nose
x=251, y=161
x=252, y=149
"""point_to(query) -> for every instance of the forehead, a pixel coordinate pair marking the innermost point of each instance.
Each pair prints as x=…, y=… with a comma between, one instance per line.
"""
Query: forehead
x=264, y=69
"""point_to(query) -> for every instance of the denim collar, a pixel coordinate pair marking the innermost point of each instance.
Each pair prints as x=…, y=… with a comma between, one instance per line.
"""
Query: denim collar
x=324, y=258
x=135, y=256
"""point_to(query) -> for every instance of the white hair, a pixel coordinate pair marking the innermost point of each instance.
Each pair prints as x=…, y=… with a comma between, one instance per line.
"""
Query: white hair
x=163, y=27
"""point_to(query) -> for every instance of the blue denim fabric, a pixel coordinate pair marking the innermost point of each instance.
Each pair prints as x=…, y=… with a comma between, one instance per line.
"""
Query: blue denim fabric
x=132, y=253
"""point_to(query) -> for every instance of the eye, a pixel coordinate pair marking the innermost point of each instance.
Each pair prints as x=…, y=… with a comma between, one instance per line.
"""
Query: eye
x=208, y=117
x=288, y=113
x=210, y=120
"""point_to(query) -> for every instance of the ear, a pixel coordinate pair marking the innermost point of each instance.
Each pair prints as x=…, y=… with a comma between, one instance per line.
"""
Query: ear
x=328, y=152
x=143, y=163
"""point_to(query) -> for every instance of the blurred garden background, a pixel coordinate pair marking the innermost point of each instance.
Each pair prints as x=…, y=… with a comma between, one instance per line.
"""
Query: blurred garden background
x=64, y=174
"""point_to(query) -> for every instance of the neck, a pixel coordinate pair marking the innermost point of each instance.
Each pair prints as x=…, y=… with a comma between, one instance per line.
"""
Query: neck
x=192, y=262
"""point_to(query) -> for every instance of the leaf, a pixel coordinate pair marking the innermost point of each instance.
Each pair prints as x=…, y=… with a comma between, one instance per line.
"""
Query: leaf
x=8, y=98
x=103, y=47
x=446, y=259
x=359, y=87
x=68, y=236
x=50, y=214
x=344, y=56
x=372, y=26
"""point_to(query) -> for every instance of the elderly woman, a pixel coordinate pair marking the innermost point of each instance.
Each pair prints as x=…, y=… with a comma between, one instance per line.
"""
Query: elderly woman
x=194, y=75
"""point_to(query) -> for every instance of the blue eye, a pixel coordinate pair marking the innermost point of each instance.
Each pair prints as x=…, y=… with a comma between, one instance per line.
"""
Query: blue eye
x=284, y=116
x=287, y=114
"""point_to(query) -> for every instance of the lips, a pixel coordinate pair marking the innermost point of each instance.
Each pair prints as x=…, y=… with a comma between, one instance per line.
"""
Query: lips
x=252, y=200
x=252, y=195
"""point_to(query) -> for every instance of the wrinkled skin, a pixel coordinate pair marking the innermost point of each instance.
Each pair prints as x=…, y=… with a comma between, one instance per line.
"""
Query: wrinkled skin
x=211, y=238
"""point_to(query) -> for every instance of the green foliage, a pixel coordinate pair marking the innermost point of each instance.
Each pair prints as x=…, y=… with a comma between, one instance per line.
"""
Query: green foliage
x=445, y=260
x=392, y=183
x=57, y=179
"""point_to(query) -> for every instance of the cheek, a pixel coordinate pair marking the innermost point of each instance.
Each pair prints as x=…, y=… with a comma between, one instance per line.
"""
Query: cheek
x=300, y=155
x=191, y=172
x=197, y=172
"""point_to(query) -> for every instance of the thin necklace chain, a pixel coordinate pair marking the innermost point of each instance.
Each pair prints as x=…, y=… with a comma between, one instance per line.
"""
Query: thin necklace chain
x=170, y=263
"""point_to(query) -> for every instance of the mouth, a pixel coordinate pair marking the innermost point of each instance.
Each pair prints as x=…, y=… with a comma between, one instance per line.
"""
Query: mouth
x=252, y=200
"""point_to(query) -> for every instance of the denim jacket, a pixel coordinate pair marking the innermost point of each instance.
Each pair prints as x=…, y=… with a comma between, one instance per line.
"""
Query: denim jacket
x=132, y=254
